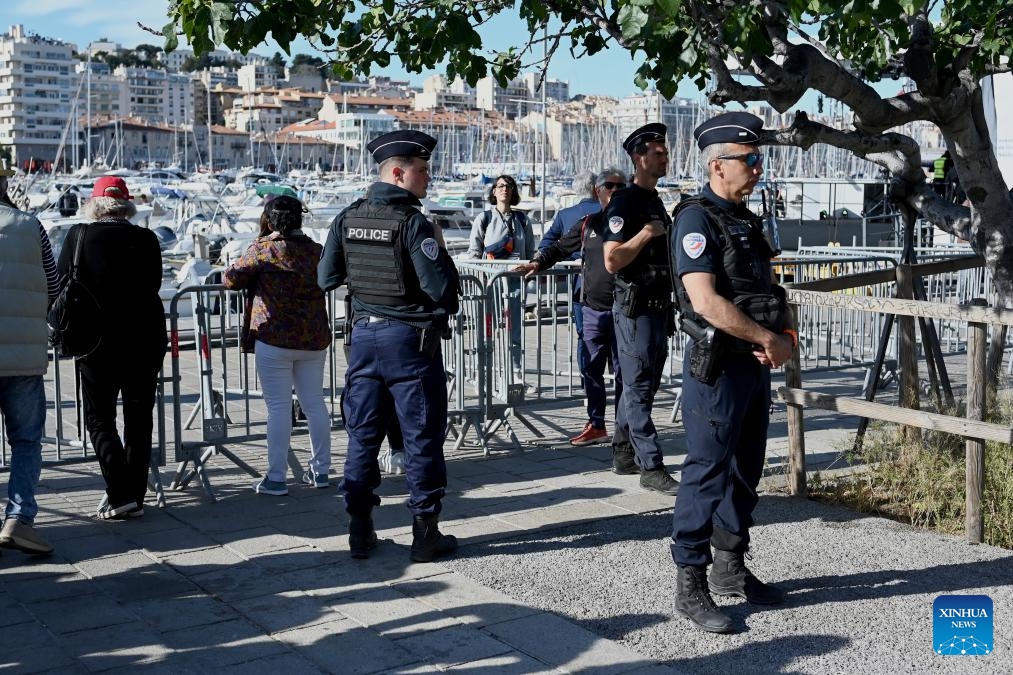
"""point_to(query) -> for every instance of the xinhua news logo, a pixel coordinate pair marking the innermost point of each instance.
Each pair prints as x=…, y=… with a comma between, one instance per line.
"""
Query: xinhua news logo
x=962, y=625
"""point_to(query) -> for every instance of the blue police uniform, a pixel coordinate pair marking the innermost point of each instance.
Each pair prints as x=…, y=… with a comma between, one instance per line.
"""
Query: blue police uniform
x=726, y=390
x=642, y=330
x=387, y=355
x=404, y=288
x=726, y=422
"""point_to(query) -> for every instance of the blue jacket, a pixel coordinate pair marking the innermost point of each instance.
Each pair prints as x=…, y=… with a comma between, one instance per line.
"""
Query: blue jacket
x=565, y=220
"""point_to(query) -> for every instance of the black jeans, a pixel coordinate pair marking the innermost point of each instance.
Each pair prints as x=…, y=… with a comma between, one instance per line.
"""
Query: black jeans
x=106, y=375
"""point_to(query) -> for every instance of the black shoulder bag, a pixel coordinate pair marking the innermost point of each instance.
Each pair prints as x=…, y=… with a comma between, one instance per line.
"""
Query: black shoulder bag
x=75, y=315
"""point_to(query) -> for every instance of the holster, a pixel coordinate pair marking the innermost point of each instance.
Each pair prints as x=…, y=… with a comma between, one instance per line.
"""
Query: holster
x=429, y=341
x=707, y=351
x=346, y=328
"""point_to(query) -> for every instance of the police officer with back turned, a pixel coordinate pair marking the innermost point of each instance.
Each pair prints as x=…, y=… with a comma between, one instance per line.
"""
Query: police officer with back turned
x=636, y=251
x=737, y=319
x=404, y=288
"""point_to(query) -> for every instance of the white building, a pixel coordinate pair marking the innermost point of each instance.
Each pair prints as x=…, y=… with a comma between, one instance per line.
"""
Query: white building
x=555, y=90
x=680, y=115
x=438, y=94
x=156, y=96
x=257, y=75
x=37, y=85
x=267, y=112
x=103, y=91
x=102, y=45
x=511, y=101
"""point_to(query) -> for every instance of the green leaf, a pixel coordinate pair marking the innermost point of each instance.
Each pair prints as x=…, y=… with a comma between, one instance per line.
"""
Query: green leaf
x=169, y=32
x=631, y=20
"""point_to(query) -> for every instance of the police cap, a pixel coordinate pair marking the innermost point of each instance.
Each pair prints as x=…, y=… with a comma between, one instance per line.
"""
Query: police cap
x=730, y=127
x=404, y=143
x=655, y=131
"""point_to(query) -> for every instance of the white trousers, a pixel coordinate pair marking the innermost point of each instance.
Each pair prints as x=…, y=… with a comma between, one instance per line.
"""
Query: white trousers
x=279, y=370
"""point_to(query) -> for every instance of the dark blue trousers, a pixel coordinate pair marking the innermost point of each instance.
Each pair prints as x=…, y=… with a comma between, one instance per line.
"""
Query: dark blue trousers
x=643, y=350
x=582, y=353
x=384, y=364
x=726, y=434
x=600, y=344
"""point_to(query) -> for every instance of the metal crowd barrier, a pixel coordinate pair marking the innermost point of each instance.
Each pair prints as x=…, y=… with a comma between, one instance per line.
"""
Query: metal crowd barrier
x=65, y=436
x=512, y=346
x=833, y=337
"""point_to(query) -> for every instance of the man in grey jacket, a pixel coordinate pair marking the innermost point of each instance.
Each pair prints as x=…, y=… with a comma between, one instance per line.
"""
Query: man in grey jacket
x=28, y=281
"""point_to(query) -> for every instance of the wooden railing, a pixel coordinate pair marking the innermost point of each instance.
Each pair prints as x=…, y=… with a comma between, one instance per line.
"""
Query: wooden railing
x=971, y=427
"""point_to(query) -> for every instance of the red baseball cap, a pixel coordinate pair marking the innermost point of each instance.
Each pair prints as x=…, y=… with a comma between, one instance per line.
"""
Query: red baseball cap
x=111, y=186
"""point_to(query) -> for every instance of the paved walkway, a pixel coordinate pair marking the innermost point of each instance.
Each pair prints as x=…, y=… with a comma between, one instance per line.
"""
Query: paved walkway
x=264, y=584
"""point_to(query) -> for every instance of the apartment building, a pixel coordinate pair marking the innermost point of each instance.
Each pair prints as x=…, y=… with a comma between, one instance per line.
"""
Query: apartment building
x=37, y=87
x=438, y=94
x=155, y=95
x=511, y=101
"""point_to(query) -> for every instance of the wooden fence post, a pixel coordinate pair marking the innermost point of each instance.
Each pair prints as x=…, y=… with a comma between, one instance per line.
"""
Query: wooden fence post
x=974, y=525
x=908, y=352
x=796, y=429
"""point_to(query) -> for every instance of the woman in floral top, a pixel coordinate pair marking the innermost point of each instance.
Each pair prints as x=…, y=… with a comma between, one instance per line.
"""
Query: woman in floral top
x=289, y=334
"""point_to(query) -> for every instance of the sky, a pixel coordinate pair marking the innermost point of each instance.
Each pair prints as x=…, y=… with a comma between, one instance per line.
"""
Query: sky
x=608, y=73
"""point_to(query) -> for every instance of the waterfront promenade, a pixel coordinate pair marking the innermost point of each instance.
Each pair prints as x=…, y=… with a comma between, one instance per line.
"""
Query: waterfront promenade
x=563, y=567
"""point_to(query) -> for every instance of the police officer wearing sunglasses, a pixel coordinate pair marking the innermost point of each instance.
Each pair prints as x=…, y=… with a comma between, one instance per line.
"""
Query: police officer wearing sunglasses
x=737, y=320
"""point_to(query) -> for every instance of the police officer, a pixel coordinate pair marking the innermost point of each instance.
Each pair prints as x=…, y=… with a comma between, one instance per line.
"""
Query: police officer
x=737, y=318
x=404, y=288
x=596, y=300
x=636, y=251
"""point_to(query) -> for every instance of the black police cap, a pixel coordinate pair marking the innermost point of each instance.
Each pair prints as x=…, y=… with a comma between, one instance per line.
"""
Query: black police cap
x=730, y=127
x=405, y=143
x=655, y=131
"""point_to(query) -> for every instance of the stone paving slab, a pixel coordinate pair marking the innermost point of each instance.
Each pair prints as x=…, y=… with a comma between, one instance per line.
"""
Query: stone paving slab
x=254, y=583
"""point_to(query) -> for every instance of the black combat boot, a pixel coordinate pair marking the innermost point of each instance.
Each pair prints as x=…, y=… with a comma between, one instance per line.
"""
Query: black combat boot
x=659, y=480
x=693, y=601
x=427, y=540
x=624, y=461
x=730, y=576
x=361, y=535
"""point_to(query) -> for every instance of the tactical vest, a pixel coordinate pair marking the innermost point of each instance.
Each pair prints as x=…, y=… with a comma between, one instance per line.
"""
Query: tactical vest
x=654, y=279
x=375, y=258
x=746, y=256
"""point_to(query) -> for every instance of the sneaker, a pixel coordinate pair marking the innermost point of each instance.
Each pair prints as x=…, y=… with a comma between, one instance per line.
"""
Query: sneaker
x=317, y=480
x=275, y=488
x=23, y=537
x=589, y=436
x=128, y=510
x=392, y=462
x=659, y=480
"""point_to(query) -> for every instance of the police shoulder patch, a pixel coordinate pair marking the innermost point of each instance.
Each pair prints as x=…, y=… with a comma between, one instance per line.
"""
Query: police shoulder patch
x=694, y=244
x=430, y=248
x=615, y=223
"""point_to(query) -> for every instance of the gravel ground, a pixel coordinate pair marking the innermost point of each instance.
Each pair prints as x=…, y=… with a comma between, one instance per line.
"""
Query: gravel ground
x=860, y=591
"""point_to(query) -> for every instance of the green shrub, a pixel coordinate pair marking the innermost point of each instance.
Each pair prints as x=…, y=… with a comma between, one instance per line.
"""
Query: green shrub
x=923, y=482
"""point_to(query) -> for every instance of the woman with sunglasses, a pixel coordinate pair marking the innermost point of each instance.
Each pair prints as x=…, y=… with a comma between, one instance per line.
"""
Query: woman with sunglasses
x=501, y=233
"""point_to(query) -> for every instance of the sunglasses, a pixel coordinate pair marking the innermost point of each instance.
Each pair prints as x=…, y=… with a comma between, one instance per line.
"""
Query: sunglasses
x=609, y=185
x=504, y=185
x=750, y=158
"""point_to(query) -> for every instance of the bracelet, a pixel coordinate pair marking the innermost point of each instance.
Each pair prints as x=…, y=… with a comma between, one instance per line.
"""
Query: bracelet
x=794, y=336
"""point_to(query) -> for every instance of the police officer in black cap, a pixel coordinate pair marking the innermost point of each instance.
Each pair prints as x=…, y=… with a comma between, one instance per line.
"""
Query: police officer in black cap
x=636, y=251
x=404, y=288
x=737, y=319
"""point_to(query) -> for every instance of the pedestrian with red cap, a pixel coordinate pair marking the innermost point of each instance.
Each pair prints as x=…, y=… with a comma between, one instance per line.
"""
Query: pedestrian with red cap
x=121, y=264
